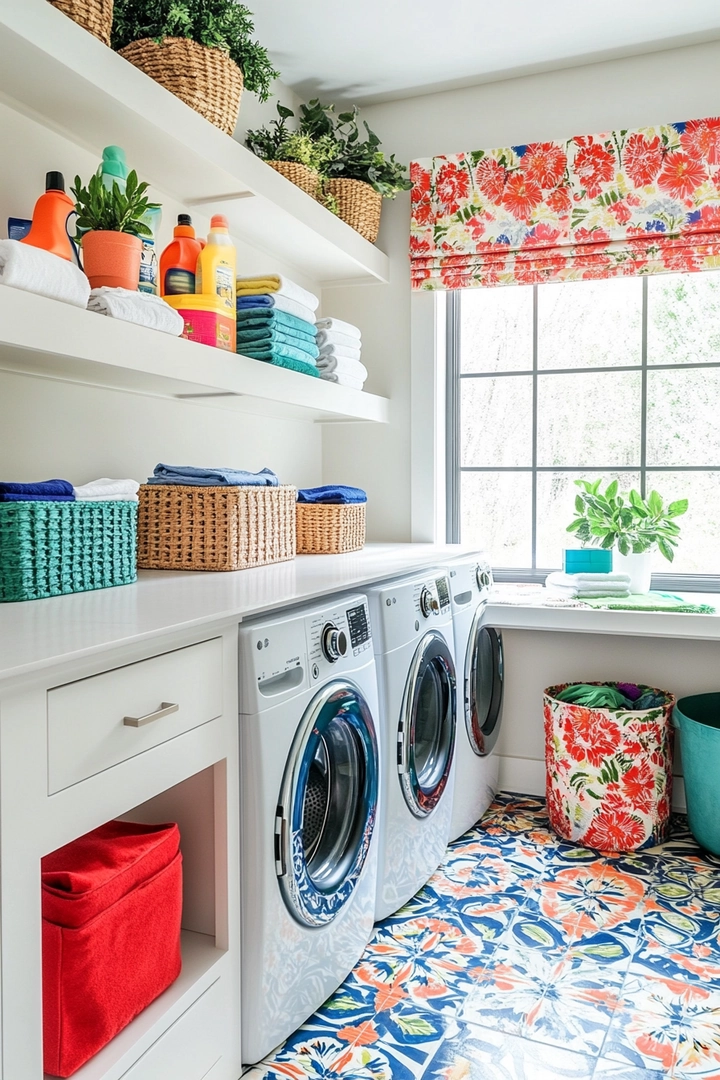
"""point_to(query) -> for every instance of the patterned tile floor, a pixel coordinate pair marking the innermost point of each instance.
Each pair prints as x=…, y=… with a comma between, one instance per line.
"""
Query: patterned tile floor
x=525, y=958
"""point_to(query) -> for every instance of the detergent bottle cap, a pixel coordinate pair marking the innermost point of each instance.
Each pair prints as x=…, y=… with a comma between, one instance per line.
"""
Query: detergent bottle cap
x=114, y=162
x=184, y=219
x=218, y=221
x=54, y=181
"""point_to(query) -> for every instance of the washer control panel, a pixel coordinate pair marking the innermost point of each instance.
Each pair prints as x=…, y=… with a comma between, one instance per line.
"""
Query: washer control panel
x=337, y=634
x=432, y=598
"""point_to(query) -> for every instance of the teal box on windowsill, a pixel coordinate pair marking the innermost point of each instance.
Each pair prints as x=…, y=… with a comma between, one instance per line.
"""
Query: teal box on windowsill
x=587, y=561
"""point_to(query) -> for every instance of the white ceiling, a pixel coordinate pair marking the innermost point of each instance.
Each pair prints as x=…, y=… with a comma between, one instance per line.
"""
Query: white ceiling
x=375, y=50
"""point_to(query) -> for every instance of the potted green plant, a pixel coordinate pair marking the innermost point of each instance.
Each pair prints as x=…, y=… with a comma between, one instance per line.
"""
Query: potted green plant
x=296, y=154
x=200, y=50
x=634, y=526
x=110, y=222
x=359, y=174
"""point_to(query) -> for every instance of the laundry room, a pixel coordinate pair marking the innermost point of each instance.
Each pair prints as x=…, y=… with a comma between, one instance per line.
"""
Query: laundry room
x=359, y=560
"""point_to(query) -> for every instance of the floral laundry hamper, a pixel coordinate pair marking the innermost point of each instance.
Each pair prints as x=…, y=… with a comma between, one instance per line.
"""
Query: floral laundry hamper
x=608, y=772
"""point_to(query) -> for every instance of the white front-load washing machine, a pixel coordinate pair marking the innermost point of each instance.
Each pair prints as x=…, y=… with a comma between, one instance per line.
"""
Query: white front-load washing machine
x=310, y=791
x=479, y=663
x=412, y=630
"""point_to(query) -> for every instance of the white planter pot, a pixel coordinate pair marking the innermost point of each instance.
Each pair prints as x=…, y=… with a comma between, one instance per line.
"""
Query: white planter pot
x=639, y=568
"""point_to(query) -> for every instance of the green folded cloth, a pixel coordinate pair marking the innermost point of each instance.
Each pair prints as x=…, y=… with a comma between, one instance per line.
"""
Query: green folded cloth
x=295, y=365
x=261, y=316
x=593, y=697
x=265, y=339
x=653, y=601
x=277, y=349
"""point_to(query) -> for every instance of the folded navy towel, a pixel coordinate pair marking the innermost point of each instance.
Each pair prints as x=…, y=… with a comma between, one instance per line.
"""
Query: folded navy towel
x=255, y=301
x=195, y=477
x=332, y=493
x=43, y=491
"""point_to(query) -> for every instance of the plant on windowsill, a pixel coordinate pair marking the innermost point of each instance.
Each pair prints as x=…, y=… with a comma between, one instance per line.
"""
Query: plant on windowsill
x=110, y=222
x=634, y=526
x=200, y=50
x=300, y=157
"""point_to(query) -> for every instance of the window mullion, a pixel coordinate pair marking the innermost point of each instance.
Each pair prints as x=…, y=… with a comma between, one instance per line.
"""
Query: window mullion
x=534, y=426
x=643, y=390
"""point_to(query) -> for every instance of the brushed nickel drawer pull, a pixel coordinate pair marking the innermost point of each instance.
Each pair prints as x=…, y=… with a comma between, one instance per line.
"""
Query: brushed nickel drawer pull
x=166, y=707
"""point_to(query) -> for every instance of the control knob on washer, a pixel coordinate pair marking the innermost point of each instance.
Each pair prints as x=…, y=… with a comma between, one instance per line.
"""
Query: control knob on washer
x=428, y=603
x=333, y=642
x=484, y=578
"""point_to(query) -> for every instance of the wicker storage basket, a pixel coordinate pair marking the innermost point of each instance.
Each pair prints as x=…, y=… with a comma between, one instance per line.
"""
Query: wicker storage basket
x=51, y=548
x=93, y=15
x=329, y=528
x=300, y=175
x=358, y=204
x=205, y=79
x=214, y=528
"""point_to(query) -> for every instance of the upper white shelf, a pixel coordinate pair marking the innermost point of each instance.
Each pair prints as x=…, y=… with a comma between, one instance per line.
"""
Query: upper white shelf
x=62, y=76
x=46, y=338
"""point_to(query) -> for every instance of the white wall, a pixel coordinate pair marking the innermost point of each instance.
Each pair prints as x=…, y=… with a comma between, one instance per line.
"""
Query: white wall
x=634, y=91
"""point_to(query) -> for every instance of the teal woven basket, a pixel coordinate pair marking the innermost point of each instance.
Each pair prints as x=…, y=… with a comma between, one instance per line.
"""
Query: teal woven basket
x=51, y=548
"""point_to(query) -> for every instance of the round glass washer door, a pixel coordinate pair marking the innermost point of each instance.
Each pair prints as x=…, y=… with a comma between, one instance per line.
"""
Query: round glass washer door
x=328, y=805
x=483, y=686
x=426, y=733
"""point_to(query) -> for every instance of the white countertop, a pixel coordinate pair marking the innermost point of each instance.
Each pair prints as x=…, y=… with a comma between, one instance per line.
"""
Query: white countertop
x=43, y=633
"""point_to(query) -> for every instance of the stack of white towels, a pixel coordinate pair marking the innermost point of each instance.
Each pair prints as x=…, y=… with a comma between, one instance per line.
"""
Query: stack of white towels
x=107, y=490
x=588, y=586
x=340, y=345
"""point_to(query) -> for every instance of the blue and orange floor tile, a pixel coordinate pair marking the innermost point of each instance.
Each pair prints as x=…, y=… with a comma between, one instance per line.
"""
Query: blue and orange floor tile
x=526, y=958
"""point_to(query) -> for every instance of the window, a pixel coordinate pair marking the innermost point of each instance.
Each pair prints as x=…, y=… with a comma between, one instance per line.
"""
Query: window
x=550, y=383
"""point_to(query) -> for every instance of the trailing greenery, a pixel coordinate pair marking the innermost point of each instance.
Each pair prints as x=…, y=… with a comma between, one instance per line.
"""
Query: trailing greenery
x=112, y=211
x=276, y=142
x=219, y=24
x=631, y=523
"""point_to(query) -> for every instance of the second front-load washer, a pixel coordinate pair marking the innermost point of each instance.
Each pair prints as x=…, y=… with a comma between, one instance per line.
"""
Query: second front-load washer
x=310, y=792
x=412, y=629
x=479, y=662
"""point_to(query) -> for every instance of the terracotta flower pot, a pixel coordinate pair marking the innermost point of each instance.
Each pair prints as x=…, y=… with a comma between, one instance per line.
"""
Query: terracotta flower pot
x=112, y=259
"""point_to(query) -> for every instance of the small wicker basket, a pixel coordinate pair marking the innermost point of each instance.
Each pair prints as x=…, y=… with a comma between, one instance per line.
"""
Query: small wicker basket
x=214, y=528
x=93, y=15
x=329, y=528
x=358, y=204
x=205, y=79
x=300, y=175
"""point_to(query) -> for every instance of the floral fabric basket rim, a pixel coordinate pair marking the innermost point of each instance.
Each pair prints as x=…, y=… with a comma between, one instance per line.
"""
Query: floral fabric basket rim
x=552, y=691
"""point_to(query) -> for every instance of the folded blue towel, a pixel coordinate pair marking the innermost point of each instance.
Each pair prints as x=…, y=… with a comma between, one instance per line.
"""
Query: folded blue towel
x=260, y=301
x=43, y=491
x=266, y=339
x=277, y=320
x=332, y=493
x=260, y=350
x=194, y=477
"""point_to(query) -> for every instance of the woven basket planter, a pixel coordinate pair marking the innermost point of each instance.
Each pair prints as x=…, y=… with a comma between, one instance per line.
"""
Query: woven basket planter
x=328, y=528
x=300, y=175
x=358, y=204
x=609, y=772
x=93, y=15
x=51, y=548
x=205, y=79
x=214, y=528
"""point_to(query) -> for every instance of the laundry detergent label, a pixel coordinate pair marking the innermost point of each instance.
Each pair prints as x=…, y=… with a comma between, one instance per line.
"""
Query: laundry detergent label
x=224, y=285
x=179, y=282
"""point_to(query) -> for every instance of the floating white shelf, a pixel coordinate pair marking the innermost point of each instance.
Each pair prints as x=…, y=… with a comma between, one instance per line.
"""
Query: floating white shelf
x=53, y=340
x=57, y=73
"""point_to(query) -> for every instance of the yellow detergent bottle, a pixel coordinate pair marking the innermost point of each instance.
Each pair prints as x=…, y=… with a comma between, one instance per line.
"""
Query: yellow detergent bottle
x=215, y=274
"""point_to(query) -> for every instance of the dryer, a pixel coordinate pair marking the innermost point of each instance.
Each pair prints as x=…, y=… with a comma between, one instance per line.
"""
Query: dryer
x=479, y=662
x=310, y=790
x=412, y=628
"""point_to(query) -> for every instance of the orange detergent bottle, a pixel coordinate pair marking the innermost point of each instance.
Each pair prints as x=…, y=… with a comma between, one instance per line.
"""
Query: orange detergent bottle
x=215, y=272
x=50, y=218
x=179, y=259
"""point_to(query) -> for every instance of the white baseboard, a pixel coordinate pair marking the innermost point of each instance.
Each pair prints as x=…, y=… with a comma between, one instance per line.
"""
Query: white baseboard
x=527, y=776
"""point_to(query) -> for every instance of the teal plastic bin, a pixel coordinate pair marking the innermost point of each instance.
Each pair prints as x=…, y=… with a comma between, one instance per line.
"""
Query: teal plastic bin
x=698, y=719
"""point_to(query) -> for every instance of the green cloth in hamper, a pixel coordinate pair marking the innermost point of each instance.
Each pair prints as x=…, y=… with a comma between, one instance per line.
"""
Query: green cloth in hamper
x=51, y=548
x=652, y=601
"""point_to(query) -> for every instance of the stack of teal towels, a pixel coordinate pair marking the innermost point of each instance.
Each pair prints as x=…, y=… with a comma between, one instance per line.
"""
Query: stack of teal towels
x=276, y=322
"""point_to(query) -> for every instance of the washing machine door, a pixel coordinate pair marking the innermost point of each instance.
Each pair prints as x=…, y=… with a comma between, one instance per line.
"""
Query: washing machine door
x=328, y=805
x=426, y=732
x=483, y=685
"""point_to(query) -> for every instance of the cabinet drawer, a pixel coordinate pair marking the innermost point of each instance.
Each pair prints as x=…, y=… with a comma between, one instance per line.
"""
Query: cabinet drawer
x=90, y=722
x=191, y=1046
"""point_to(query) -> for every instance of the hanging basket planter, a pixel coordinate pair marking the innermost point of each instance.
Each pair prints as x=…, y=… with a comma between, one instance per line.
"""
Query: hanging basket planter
x=205, y=79
x=300, y=175
x=95, y=16
x=358, y=204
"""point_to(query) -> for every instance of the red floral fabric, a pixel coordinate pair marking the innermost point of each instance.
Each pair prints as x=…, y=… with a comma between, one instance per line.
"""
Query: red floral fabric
x=609, y=773
x=617, y=204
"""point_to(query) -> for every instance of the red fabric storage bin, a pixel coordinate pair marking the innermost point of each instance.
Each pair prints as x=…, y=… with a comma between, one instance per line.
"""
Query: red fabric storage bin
x=111, y=909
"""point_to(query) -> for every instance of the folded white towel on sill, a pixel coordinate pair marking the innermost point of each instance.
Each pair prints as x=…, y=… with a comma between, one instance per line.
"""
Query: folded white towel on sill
x=136, y=307
x=339, y=326
x=589, y=586
x=277, y=285
x=334, y=337
x=34, y=270
x=342, y=380
x=343, y=366
x=107, y=490
x=340, y=350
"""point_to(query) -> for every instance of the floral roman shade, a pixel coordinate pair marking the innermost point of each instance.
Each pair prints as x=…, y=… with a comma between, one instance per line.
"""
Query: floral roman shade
x=595, y=206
